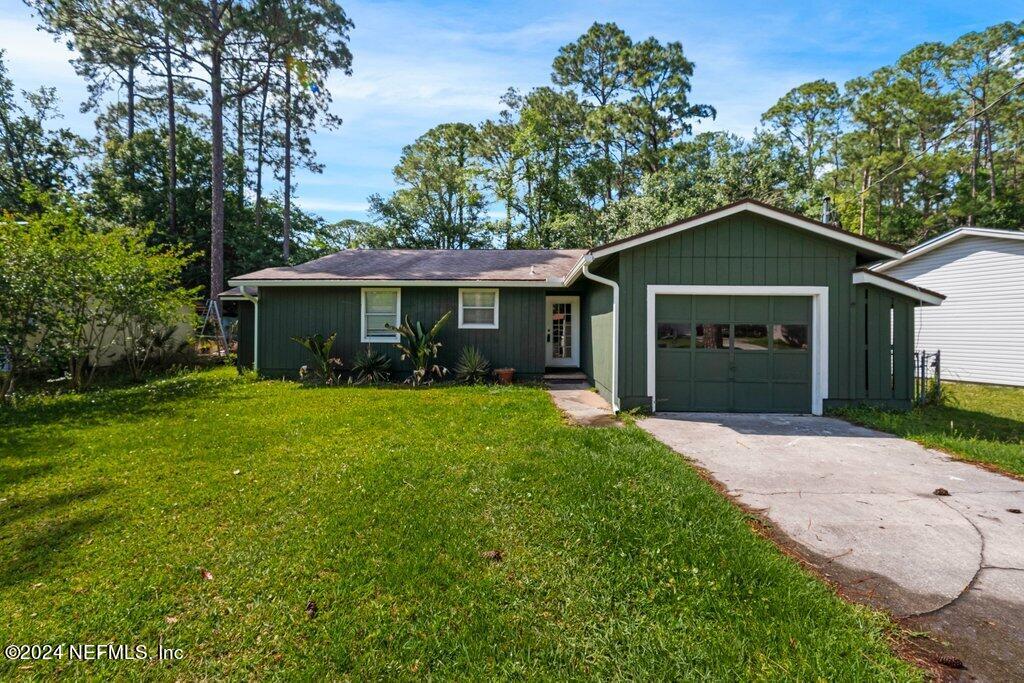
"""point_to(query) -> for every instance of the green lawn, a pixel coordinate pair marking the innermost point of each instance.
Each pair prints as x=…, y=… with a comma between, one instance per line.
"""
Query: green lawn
x=377, y=504
x=977, y=422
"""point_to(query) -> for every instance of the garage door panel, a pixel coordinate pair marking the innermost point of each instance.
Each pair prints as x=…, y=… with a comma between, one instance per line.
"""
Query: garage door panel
x=711, y=365
x=674, y=308
x=791, y=367
x=750, y=397
x=752, y=309
x=791, y=309
x=752, y=366
x=710, y=308
x=672, y=365
x=676, y=396
x=711, y=396
x=790, y=398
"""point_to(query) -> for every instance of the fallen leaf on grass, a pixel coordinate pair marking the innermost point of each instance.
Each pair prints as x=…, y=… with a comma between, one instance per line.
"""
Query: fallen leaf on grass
x=311, y=609
x=492, y=555
x=207, y=574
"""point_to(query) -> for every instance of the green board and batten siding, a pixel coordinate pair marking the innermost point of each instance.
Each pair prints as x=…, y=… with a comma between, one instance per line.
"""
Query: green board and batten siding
x=596, y=332
x=870, y=330
x=747, y=249
x=287, y=312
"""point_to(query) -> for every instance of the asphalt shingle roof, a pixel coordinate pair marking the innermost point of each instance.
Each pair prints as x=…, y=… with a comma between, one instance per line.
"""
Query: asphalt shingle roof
x=527, y=265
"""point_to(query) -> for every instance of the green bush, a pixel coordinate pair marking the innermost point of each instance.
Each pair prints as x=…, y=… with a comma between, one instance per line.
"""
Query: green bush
x=73, y=289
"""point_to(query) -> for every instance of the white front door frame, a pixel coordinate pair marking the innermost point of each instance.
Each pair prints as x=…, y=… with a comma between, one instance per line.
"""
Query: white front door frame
x=574, y=310
x=819, y=328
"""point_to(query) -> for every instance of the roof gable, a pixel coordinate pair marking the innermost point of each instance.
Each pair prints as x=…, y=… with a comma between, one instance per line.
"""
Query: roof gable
x=865, y=244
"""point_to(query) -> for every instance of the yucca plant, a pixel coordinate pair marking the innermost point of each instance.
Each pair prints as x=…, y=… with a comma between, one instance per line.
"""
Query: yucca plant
x=472, y=367
x=370, y=366
x=421, y=347
x=324, y=367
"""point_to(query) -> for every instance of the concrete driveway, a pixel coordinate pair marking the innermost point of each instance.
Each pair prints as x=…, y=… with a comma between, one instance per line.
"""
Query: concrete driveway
x=862, y=507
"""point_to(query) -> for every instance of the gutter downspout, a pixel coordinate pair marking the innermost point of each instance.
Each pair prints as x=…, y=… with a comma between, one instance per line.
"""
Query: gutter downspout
x=587, y=260
x=255, y=328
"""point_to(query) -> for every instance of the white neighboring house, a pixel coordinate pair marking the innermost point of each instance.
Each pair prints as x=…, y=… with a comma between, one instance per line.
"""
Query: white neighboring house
x=980, y=326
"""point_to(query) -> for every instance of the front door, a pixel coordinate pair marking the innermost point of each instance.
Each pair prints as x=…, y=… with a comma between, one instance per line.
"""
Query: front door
x=563, y=331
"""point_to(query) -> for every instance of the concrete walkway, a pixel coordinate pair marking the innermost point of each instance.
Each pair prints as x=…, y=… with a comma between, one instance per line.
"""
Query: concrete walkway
x=866, y=509
x=582, y=405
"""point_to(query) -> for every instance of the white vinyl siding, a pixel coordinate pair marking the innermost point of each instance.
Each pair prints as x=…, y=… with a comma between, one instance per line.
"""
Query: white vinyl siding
x=478, y=309
x=380, y=307
x=980, y=326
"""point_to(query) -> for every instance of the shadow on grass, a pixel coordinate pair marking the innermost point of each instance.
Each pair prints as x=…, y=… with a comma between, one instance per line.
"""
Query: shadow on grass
x=20, y=508
x=37, y=553
x=123, y=405
x=943, y=420
x=13, y=475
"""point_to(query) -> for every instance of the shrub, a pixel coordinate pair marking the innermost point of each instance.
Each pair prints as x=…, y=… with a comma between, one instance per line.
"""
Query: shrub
x=324, y=368
x=370, y=366
x=420, y=347
x=472, y=367
x=72, y=288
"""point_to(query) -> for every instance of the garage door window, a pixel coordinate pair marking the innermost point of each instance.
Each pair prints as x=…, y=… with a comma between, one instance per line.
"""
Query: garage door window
x=790, y=337
x=674, y=335
x=750, y=337
x=713, y=336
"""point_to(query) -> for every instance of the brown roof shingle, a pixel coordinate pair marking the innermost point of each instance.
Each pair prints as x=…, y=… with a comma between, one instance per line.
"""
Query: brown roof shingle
x=527, y=265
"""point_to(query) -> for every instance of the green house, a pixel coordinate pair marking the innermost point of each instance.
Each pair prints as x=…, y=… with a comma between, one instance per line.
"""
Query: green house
x=746, y=308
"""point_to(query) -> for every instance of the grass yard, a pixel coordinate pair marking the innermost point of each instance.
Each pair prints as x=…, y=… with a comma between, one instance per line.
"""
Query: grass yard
x=376, y=505
x=978, y=423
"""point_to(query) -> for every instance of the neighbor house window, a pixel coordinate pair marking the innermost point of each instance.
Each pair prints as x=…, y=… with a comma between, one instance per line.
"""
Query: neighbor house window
x=381, y=308
x=478, y=309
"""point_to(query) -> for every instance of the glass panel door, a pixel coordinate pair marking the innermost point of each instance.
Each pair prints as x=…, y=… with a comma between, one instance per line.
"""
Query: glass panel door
x=563, y=336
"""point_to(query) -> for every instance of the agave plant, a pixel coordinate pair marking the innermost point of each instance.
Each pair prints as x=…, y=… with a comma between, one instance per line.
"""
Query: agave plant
x=324, y=368
x=472, y=367
x=421, y=347
x=370, y=366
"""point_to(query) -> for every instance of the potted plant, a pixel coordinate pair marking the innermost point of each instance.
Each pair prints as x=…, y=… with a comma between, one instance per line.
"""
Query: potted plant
x=505, y=375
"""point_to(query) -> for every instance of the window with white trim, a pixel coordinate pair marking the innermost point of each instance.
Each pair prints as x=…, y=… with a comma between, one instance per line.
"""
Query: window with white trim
x=478, y=309
x=380, y=307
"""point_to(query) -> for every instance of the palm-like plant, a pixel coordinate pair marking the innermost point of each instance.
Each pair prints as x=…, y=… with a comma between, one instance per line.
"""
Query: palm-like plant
x=421, y=347
x=370, y=366
x=472, y=367
x=324, y=367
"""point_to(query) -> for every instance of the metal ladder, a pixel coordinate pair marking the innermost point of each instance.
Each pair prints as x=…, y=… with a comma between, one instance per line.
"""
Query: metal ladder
x=212, y=321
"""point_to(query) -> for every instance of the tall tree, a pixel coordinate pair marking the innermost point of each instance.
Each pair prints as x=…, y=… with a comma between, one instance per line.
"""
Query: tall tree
x=314, y=42
x=809, y=117
x=593, y=66
x=439, y=203
x=658, y=112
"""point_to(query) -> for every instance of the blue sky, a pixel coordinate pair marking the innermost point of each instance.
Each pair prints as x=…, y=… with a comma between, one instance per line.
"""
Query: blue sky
x=418, y=64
